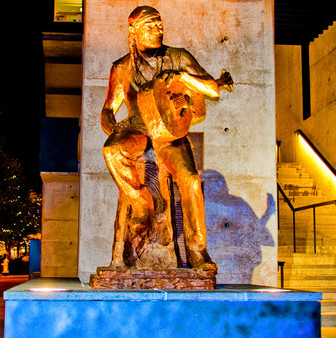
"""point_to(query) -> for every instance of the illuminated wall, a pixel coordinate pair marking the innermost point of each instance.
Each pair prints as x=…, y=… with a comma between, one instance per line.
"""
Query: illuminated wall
x=320, y=127
x=239, y=131
x=325, y=179
x=322, y=53
x=288, y=85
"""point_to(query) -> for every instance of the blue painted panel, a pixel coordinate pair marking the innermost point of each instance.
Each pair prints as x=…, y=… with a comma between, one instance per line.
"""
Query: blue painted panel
x=35, y=255
x=195, y=319
x=58, y=144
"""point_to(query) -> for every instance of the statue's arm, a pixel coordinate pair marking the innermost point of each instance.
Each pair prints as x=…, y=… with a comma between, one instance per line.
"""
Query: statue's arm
x=195, y=77
x=114, y=99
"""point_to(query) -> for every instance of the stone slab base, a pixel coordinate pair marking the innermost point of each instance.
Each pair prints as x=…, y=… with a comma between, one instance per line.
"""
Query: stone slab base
x=196, y=279
x=53, y=307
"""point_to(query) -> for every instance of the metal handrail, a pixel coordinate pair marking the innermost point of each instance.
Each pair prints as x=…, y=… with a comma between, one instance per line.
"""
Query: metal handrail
x=306, y=207
x=317, y=152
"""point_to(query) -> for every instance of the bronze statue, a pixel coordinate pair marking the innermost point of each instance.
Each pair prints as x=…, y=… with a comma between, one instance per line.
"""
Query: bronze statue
x=163, y=90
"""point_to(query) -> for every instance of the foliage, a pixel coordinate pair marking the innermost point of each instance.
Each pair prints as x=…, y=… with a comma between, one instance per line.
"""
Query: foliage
x=20, y=208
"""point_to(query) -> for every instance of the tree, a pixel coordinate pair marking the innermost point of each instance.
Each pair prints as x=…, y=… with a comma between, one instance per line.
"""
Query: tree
x=20, y=208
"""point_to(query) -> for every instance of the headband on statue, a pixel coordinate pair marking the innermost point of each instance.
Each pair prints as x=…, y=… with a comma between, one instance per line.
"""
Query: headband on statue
x=142, y=14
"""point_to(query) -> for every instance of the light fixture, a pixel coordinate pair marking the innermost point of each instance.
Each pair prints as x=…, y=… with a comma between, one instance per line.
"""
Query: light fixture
x=271, y=290
x=47, y=290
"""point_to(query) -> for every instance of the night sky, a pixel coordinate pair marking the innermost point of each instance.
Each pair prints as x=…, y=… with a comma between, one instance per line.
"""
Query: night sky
x=22, y=85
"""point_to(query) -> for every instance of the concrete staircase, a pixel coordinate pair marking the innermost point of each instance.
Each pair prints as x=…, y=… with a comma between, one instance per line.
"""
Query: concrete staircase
x=305, y=270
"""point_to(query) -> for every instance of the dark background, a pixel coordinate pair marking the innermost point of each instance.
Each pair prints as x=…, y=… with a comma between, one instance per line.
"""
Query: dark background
x=22, y=84
x=22, y=97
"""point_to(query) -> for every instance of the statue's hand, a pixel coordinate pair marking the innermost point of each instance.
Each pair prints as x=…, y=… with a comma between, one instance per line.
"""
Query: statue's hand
x=108, y=121
x=172, y=76
x=112, y=127
x=225, y=81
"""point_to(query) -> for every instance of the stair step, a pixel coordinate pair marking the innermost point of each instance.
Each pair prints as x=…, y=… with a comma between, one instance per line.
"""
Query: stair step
x=303, y=275
x=286, y=239
x=304, y=182
x=308, y=222
x=328, y=320
x=291, y=173
x=309, y=259
x=306, y=237
x=328, y=306
x=327, y=210
x=299, y=201
x=307, y=228
x=282, y=253
x=290, y=170
x=309, y=270
x=302, y=192
x=304, y=244
x=305, y=270
x=327, y=241
x=321, y=243
x=305, y=218
x=309, y=282
x=328, y=294
x=289, y=165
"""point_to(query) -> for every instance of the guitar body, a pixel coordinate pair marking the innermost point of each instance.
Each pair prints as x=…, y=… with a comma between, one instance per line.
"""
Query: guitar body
x=168, y=112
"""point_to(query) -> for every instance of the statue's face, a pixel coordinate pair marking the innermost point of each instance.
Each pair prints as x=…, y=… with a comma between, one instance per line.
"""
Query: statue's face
x=149, y=34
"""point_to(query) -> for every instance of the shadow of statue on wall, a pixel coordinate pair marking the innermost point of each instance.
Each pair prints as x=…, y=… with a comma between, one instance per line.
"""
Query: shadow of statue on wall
x=234, y=232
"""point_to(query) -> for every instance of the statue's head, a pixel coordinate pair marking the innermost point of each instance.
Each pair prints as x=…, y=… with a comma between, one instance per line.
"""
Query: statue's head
x=145, y=28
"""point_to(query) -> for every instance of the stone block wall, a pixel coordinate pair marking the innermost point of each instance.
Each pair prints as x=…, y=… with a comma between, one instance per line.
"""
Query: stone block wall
x=60, y=203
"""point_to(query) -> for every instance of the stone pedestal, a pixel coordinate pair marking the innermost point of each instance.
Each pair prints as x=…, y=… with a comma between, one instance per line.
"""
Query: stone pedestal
x=67, y=308
x=196, y=279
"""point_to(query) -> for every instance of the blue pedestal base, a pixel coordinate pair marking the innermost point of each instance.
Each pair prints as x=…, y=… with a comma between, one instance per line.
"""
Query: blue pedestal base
x=230, y=311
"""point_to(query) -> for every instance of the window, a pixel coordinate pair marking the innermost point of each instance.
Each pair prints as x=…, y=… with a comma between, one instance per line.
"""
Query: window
x=305, y=81
x=68, y=10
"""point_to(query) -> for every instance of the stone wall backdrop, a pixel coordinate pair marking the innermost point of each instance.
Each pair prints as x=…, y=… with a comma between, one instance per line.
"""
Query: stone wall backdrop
x=239, y=131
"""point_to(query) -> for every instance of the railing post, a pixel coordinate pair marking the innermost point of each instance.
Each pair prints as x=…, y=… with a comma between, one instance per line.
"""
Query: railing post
x=294, y=232
x=278, y=208
x=281, y=265
x=314, y=218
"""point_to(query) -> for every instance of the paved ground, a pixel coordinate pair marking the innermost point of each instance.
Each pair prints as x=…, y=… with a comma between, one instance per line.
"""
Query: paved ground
x=7, y=282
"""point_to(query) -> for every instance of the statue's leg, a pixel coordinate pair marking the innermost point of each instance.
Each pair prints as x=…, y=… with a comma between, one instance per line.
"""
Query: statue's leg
x=121, y=150
x=120, y=227
x=178, y=158
x=135, y=205
x=164, y=218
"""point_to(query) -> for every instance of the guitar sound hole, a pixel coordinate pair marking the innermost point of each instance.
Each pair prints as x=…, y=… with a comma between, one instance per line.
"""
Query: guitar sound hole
x=183, y=110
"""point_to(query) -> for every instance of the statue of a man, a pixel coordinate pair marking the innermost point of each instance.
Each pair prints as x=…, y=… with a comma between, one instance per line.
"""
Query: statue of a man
x=147, y=61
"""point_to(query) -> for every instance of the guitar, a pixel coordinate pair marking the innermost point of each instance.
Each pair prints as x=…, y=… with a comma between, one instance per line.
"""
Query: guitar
x=169, y=110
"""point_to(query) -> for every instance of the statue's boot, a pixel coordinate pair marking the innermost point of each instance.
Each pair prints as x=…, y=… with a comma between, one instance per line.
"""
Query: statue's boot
x=118, y=255
x=199, y=258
